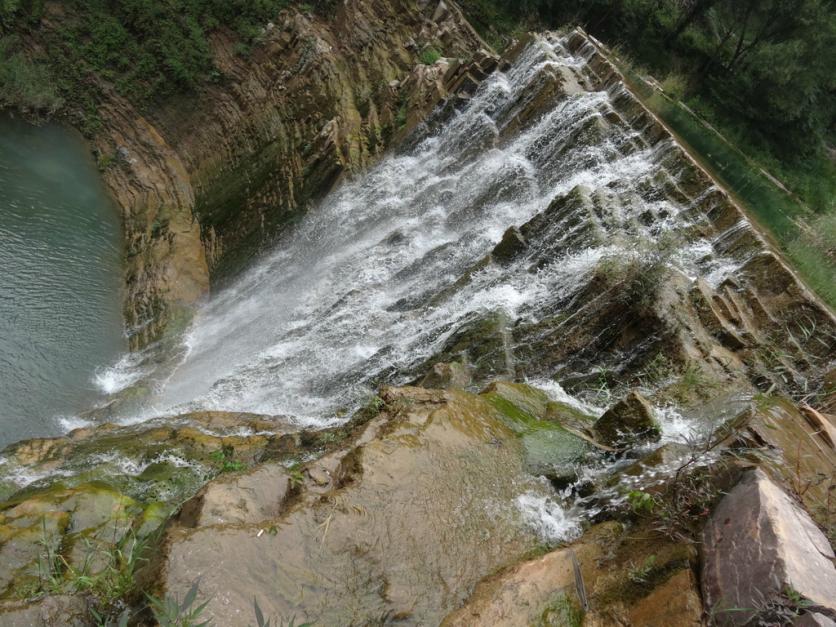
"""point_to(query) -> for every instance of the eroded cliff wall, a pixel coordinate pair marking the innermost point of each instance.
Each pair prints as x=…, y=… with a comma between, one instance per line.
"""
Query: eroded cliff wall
x=207, y=180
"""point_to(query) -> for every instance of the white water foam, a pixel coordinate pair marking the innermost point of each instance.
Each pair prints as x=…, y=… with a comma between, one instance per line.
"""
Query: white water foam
x=355, y=295
x=556, y=393
x=548, y=518
x=123, y=374
x=676, y=428
x=71, y=423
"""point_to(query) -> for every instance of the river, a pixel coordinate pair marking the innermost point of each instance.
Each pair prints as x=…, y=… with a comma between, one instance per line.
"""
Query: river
x=60, y=279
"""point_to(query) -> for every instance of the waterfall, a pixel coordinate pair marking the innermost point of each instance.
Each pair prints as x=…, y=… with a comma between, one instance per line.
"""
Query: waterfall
x=360, y=292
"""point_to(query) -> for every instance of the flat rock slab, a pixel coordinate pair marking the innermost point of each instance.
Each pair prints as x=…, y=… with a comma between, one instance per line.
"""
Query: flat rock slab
x=248, y=497
x=47, y=612
x=675, y=602
x=518, y=597
x=757, y=545
x=400, y=527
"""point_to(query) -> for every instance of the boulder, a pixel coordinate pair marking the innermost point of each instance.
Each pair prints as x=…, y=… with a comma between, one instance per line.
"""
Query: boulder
x=630, y=422
x=759, y=544
x=797, y=442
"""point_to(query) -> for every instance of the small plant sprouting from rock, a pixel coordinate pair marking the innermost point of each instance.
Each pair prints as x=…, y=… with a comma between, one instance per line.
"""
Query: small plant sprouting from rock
x=115, y=580
x=640, y=574
x=373, y=407
x=224, y=461
x=429, y=56
x=783, y=610
x=50, y=577
x=171, y=612
x=261, y=621
x=641, y=502
x=106, y=575
x=103, y=621
x=294, y=472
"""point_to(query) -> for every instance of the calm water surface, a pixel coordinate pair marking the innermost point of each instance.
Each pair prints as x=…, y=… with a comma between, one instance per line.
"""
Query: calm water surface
x=60, y=279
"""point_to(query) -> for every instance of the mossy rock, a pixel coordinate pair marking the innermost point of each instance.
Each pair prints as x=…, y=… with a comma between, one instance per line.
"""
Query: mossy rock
x=628, y=423
x=567, y=415
x=518, y=401
x=481, y=344
x=550, y=449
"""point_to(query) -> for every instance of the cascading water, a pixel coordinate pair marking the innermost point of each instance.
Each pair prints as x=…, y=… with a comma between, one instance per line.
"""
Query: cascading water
x=350, y=298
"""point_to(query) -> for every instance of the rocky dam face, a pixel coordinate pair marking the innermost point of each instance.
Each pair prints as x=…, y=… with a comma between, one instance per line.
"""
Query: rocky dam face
x=530, y=365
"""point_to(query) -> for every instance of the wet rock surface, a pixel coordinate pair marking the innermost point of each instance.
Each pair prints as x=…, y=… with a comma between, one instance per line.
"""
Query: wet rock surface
x=628, y=422
x=249, y=497
x=423, y=502
x=57, y=610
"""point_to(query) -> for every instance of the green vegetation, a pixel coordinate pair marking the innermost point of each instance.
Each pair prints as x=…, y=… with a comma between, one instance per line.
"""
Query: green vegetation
x=224, y=460
x=640, y=574
x=429, y=56
x=25, y=85
x=563, y=611
x=106, y=574
x=149, y=50
x=172, y=612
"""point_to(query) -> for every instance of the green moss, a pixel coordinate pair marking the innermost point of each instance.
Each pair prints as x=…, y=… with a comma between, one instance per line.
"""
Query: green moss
x=153, y=517
x=567, y=415
x=549, y=448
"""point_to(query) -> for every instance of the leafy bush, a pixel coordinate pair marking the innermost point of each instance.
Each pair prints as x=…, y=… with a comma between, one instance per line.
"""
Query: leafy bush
x=429, y=56
x=25, y=85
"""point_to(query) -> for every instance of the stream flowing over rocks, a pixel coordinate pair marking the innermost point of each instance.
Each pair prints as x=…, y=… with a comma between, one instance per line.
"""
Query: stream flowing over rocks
x=501, y=378
x=393, y=266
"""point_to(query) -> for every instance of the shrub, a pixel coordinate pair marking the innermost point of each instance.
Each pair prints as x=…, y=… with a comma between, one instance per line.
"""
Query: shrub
x=26, y=85
x=429, y=56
